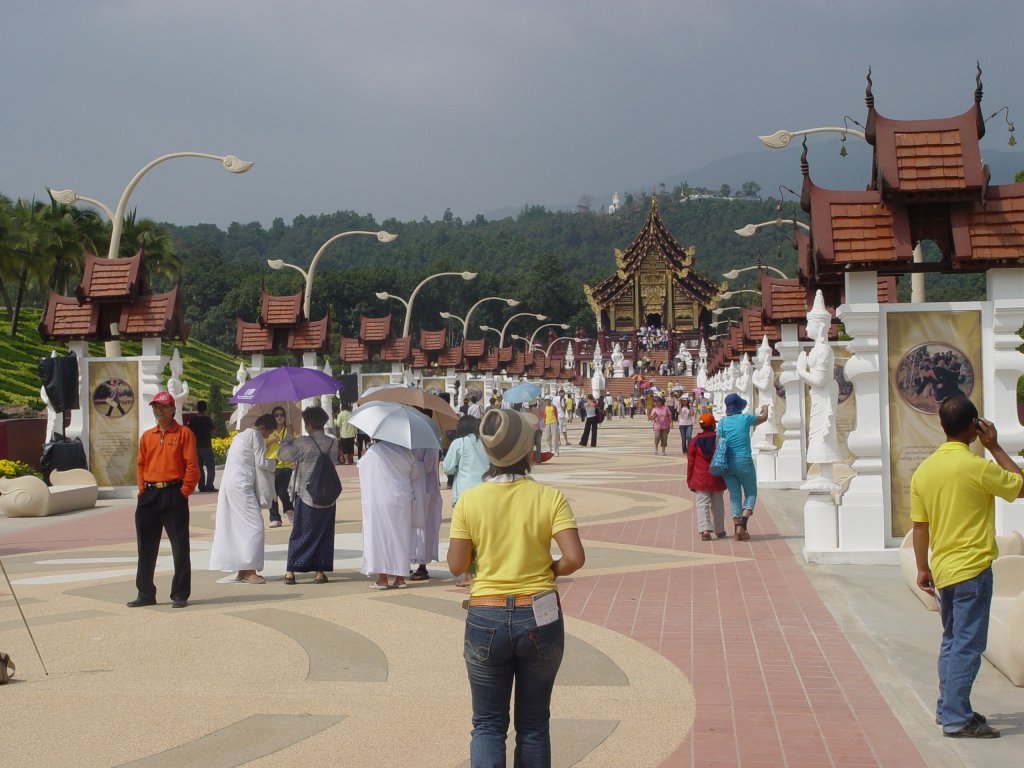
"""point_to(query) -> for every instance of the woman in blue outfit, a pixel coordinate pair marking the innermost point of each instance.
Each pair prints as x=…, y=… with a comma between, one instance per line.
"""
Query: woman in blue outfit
x=741, y=478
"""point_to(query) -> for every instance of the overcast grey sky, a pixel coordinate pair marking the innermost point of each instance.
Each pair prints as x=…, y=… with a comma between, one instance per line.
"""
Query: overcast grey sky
x=402, y=109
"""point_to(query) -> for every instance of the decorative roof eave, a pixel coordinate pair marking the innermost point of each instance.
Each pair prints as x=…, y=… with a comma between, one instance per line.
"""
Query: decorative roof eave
x=157, y=315
x=782, y=301
x=352, y=351
x=374, y=328
x=432, y=341
x=993, y=233
x=473, y=348
x=252, y=338
x=754, y=328
x=106, y=279
x=310, y=336
x=281, y=311
x=396, y=350
x=65, y=319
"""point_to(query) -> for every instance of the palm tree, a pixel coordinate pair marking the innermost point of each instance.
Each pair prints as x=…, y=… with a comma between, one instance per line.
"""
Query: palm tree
x=160, y=263
x=29, y=248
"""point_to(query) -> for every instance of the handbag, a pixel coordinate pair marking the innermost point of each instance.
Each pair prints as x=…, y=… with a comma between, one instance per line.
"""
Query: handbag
x=721, y=459
x=6, y=668
x=323, y=484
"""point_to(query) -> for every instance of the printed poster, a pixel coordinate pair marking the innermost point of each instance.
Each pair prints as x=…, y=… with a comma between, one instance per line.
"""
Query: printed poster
x=114, y=421
x=932, y=355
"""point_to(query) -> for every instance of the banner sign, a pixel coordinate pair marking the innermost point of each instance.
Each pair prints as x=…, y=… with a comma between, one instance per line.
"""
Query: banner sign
x=114, y=421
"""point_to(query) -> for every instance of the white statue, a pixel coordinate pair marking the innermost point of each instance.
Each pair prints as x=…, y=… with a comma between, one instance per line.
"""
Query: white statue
x=744, y=387
x=570, y=359
x=702, y=375
x=240, y=410
x=597, y=380
x=617, y=357
x=177, y=388
x=763, y=380
x=818, y=370
x=327, y=401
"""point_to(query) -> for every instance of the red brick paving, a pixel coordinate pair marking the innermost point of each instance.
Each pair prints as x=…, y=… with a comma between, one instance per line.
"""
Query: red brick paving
x=776, y=682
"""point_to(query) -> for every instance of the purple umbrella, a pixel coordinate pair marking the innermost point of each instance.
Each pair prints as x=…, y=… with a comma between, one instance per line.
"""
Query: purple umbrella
x=285, y=384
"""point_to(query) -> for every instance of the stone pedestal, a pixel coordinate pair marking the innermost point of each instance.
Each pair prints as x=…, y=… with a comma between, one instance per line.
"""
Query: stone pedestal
x=821, y=525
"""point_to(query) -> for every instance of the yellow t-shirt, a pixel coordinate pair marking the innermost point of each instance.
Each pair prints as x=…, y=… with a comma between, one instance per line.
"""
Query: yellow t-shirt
x=954, y=491
x=275, y=444
x=550, y=414
x=511, y=526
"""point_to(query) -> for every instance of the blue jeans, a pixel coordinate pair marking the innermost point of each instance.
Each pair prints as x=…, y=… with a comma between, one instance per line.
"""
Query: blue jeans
x=684, y=435
x=741, y=480
x=964, y=609
x=502, y=646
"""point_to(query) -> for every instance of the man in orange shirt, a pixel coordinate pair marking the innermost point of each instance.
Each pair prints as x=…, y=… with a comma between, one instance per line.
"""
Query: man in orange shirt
x=168, y=470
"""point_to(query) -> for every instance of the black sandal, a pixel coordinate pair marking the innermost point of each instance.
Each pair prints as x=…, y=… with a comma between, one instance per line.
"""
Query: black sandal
x=289, y=579
x=705, y=535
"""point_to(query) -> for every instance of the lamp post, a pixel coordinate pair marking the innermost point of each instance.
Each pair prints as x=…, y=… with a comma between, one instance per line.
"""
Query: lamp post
x=465, y=322
x=732, y=274
x=750, y=229
x=70, y=197
x=781, y=139
x=563, y=326
x=501, y=333
x=547, y=352
x=720, y=310
x=383, y=295
x=382, y=236
x=730, y=294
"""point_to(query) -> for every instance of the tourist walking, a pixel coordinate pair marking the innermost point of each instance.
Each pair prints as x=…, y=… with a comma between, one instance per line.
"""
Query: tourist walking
x=514, y=634
x=708, y=490
x=238, y=539
x=467, y=460
x=952, y=506
x=741, y=477
x=425, y=538
x=591, y=412
x=685, y=422
x=346, y=435
x=167, y=471
x=311, y=543
x=202, y=427
x=389, y=477
x=551, y=429
x=661, y=420
x=283, y=471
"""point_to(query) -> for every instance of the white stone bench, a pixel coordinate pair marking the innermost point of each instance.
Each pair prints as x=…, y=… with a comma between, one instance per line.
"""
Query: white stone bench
x=1006, y=624
x=1011, y=544
x=29, y=496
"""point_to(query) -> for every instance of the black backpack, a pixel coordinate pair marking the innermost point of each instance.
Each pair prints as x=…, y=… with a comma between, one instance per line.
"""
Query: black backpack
x=324, y=485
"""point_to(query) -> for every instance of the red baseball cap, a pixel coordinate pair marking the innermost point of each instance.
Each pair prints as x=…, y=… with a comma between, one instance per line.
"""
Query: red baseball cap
x=162, y=398
x=706, y=420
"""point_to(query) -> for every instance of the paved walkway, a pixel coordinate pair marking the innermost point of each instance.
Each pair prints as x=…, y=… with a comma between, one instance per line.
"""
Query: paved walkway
x=679, y=652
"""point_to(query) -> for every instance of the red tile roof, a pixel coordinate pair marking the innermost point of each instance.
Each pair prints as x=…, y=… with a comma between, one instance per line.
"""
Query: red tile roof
x=154, y=315
x=754, y=328
x=110, y=279
x=473, y=347
x=65, y=318
x=310, y=336
x=352, y=351
x=281, y=311
x=505, y=354
x=489, y=361
x=396, y=350
x=419, y=359
x=432, y=341
x=996, y=231
x=252, y=338
x=782, y=300
x=450, y=357
x=374, y=328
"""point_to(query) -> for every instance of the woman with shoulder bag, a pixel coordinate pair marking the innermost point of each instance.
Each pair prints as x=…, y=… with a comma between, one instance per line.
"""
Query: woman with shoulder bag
x=741, y=477
x=514, y=634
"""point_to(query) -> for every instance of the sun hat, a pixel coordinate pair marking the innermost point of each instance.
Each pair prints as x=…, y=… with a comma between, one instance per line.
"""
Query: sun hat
x=162, y=398
x=706, y=420
x=734, y=404
x=507, y=435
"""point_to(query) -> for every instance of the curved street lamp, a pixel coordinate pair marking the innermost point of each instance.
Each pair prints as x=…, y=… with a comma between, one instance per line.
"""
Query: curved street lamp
x=730, y=294
x=501, y=333
x=732, y=274
x=382, y=236
x=465, y=322
x=563, y=326
x=382, y=295
x=781, y=139
x=231, y=164
x=562, y=338
x=750, y=229
x=720, y=310
x=70, y=197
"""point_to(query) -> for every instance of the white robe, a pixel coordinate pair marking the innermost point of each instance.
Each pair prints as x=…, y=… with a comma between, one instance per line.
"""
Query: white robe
x=425, y=538
x=387, y=477
x=238, y=527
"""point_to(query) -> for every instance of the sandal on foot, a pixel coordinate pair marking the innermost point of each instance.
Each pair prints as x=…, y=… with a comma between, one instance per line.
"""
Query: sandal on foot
x=320, y=578
x=254, y=579
x=705, y=535
x=289, y=579
x=375, y=585
x=721, y=535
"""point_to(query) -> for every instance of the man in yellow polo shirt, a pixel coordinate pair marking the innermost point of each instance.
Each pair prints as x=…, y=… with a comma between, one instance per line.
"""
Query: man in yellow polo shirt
x=952, y=506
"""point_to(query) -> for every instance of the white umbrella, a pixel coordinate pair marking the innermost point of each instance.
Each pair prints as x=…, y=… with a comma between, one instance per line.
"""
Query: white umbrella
x=396, y=423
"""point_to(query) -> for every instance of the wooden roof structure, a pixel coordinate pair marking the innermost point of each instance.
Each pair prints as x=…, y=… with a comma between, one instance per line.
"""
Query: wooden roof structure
x=282, y=324
x=927, y=183
x=654, y=275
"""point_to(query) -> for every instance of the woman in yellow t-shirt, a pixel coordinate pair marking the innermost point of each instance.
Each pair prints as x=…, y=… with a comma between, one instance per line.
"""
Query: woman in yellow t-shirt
x=514, y=628
x=283, y=473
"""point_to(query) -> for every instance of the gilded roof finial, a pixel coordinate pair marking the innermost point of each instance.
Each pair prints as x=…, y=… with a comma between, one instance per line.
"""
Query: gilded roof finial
x=654, y=199
x=978, y=90
x=869, y=97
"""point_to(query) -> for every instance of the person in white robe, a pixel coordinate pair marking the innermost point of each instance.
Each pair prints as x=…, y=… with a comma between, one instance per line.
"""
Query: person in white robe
x=426, y=537
x=247, y=485
x=388, y=477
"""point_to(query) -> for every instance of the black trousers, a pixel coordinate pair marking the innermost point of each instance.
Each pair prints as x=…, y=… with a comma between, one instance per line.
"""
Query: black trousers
x=282, y=479
x=163, y=509
x=207, y=468
x=590, y=430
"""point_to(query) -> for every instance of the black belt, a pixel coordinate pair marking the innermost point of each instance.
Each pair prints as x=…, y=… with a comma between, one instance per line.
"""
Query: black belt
x=168, y=484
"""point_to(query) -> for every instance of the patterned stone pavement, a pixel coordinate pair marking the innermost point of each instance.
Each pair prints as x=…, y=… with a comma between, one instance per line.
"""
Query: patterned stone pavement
x=679, y=652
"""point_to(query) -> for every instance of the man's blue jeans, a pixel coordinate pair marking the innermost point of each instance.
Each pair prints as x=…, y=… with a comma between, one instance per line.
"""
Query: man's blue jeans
x=741, y=480
x=502, y=646
x=684, y=435
x=964, y=608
